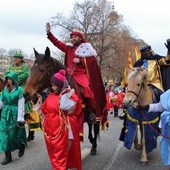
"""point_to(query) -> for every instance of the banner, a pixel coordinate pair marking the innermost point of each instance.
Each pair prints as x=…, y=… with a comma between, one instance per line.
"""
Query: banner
x=137, y=53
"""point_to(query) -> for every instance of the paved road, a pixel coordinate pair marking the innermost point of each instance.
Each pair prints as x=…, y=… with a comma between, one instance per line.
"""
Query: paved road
x=111, y=154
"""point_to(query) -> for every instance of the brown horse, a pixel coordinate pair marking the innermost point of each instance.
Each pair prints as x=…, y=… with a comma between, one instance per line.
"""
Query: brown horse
x=139, y=93
x=2, y=84
x=41, y=72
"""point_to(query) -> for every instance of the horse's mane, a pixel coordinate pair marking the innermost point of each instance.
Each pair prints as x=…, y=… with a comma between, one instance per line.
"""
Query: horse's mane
x=138, y=73
x=57, y=63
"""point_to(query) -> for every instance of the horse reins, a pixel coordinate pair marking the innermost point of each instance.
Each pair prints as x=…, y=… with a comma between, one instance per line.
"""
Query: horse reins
x=137, y=95
x=166, y=137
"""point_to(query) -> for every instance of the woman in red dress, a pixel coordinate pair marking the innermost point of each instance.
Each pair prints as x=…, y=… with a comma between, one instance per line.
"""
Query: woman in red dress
x=60, y=124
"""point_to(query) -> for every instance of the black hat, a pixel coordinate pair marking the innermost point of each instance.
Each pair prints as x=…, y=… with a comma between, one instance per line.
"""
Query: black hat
x=142, y=49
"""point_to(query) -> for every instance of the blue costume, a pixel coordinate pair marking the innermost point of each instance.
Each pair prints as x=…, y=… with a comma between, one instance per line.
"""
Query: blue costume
x=134, y=116
x=165, y=121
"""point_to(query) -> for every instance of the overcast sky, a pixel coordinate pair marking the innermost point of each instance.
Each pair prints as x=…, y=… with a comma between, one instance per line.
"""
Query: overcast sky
x=23, y=22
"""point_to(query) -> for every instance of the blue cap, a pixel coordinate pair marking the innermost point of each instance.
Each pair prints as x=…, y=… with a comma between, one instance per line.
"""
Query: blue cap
x=142, y=49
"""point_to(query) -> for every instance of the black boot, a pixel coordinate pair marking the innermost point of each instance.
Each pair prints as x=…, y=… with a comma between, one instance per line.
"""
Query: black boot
x=30, y=136
x=8, y=158
x=21, y=150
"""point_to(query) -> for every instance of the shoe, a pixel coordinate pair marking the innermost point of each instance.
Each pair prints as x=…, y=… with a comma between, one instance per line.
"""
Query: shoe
x=92, y=118
x=30, y=138
x=8, y=158
x=6, y=161
x=122, y=117
x=22, y=150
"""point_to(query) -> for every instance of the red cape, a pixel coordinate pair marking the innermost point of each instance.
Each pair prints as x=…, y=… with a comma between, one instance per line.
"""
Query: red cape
x=97, y=87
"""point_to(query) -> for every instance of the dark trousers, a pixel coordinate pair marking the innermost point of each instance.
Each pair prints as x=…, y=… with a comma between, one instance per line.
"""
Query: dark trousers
x=116, y=111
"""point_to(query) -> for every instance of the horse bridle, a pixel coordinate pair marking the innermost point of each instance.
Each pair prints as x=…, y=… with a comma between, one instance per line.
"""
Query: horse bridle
x=136, y=94
x=49, y=72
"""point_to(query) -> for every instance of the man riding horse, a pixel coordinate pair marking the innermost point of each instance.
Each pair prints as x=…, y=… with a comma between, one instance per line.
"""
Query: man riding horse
x=154, y=62
x=81, y=64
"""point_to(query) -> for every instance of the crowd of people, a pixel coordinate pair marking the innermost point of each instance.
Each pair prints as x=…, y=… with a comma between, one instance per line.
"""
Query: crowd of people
x=61, y=106
x=114, y=97
x=55, y=113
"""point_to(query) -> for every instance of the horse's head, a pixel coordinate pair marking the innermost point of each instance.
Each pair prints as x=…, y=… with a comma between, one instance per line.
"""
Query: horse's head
x=41, y=73
x=136, y=85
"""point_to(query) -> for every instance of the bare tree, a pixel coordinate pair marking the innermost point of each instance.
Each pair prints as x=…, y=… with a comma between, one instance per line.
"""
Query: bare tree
x=3, y=52
x=103, y=28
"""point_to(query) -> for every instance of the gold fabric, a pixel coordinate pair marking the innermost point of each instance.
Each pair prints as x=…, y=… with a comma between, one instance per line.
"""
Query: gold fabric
x=34, y=120
x=154, y=72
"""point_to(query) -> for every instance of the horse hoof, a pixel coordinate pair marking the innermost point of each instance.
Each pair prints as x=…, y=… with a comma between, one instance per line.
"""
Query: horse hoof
x=93, y=151
x=144, y=163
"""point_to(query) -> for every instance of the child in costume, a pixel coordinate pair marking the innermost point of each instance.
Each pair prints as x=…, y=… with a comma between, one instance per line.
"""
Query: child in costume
x=60, y=124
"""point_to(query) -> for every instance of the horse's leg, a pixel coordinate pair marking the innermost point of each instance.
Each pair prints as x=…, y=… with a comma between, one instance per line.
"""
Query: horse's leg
x=90, y=136
x=137, y=146
x=144, y=158
x=93, y=140
x=96, y=133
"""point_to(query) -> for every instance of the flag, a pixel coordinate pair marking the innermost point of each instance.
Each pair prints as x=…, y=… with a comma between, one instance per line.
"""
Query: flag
x=130, y=65
x=127, y=69
x=137, y=53
x=123, y=82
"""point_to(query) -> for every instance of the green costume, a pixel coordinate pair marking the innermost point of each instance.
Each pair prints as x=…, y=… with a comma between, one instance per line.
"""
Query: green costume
x=10, y=134
x=23, y=72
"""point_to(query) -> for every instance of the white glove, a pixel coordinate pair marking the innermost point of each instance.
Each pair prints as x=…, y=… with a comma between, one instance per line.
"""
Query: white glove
x=69, y=94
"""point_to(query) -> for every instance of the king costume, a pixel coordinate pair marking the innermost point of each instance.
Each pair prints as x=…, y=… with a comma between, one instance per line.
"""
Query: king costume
x=86, y=74
x=158, y=67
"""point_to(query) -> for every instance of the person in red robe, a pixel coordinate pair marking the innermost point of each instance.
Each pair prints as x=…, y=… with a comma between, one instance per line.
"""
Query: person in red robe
x=60, y=124
x=81, y=64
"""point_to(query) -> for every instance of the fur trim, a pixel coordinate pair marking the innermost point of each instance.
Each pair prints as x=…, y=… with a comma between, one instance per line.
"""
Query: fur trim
x=85, y=50
x=69, y=44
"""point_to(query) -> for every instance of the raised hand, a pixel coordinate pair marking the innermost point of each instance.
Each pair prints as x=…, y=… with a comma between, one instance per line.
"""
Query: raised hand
x=48, y=27
x=167, y=44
